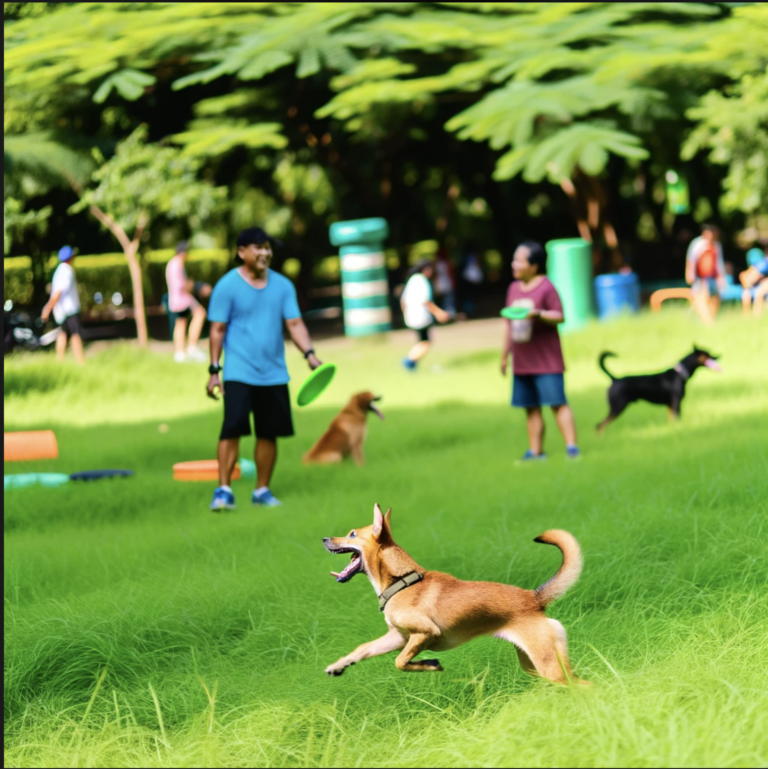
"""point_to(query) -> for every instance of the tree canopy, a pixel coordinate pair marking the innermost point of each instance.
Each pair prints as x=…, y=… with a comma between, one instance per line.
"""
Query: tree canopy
x=449, y=119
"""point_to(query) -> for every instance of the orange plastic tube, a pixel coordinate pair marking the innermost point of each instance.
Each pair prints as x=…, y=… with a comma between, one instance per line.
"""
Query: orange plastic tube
x=201, y=470
x=34, y=444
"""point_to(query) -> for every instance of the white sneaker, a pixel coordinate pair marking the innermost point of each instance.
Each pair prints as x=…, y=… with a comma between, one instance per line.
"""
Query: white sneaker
x=179, y=357
x=196, y=354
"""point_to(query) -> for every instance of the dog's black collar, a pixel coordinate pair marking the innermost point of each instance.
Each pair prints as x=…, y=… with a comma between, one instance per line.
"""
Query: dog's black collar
x=397, y=586
x=684, y=373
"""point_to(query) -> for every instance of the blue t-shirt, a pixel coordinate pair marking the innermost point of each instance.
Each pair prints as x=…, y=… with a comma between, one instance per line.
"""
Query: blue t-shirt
x=254, y=351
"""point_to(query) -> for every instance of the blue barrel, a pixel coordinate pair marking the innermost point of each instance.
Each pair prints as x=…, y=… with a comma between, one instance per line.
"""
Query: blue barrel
x=617, y=293
x=364, y=283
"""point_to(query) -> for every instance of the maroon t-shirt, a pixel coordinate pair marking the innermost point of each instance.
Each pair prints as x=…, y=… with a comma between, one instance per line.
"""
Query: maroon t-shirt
x=535, y=345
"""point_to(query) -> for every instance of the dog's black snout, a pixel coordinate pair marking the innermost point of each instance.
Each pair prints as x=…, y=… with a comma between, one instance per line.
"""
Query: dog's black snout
x=326, y=540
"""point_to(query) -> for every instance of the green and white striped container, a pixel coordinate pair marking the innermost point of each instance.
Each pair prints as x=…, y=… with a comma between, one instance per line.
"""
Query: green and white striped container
x=364, y=284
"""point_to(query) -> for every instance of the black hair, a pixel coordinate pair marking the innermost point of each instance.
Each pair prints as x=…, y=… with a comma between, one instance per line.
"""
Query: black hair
x=536, y=255
x=709, y=227
x=254, y=235
x=420, y=266
x=182, y=247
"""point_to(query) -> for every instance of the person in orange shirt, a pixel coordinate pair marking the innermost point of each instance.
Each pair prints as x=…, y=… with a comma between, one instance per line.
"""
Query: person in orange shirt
x=705, y=272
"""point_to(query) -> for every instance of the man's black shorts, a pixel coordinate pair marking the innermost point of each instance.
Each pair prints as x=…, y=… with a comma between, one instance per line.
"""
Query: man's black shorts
x=271, y=407
x=423, y=333
x=72, y=325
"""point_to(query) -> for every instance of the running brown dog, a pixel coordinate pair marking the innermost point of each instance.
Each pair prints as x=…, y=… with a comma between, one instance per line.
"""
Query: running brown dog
x=346, y=433
x=429, y=610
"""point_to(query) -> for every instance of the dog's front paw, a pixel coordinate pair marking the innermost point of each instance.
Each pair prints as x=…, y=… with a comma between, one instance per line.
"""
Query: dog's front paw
x=434, y=664
x=337, y=668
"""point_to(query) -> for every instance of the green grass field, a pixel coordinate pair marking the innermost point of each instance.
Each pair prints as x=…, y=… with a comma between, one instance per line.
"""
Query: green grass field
x=142, y=630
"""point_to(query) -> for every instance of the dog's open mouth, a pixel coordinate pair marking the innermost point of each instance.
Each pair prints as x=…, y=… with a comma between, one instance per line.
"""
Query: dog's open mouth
x=354, y=567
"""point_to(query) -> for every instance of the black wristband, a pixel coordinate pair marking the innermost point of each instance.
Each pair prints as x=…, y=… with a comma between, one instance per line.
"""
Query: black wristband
x=214, y=368
x=309, y=352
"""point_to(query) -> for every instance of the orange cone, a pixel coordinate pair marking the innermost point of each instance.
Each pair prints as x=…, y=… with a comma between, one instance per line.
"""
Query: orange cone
x=33, y=444
x=201, y=470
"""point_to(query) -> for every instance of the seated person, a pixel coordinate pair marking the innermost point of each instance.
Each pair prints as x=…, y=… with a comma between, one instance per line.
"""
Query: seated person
x=756, y=275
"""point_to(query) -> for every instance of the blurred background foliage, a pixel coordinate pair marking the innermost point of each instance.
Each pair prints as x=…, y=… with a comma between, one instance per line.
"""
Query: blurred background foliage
x=460, y=123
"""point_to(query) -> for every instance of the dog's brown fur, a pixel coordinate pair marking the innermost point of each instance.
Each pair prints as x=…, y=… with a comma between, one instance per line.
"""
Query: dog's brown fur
x=442, y=612
x=346, y=433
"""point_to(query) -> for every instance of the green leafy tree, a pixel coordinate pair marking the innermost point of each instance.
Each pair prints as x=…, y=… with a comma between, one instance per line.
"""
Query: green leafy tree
x=139, y=184
x=440, y=116
x=35, y=164
x=732, y=123
x=733, y=127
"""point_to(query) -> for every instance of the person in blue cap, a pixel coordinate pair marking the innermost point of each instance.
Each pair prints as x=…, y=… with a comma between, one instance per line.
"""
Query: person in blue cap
x=65, y=304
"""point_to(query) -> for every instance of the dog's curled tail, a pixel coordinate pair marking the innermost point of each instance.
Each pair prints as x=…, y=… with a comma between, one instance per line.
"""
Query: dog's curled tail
x=602, y=363
x=568, y=573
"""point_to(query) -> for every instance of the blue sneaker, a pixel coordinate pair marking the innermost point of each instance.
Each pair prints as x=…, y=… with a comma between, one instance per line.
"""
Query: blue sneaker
x=266, y=498
x=529, y=456
x=223, y=499
x=409, y=364
x=572, y=452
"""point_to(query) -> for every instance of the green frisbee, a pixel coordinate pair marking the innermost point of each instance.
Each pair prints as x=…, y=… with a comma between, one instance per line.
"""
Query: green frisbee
x=515, y=313
x=315, y=383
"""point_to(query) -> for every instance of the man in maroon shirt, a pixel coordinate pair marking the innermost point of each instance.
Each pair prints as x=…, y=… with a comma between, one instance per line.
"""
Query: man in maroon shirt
x=537, y=359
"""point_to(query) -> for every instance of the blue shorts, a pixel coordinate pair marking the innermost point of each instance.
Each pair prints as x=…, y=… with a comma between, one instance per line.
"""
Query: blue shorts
x=532, y=390
x=710, y=283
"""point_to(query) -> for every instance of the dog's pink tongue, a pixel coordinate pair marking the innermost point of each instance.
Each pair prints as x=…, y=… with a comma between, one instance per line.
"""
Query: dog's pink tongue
x=335, y=574
x=709, y=363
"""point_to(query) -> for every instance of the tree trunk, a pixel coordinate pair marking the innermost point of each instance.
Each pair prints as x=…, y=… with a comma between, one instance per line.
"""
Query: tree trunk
x=130, y=249
x=137, y=285
x=589, y=209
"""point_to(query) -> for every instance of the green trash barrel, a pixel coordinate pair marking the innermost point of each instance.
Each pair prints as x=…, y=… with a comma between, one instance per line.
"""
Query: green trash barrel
x=569, y=267
x=364, y=283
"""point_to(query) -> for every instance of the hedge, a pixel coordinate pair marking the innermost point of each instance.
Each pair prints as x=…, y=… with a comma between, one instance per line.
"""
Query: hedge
x=107, y=274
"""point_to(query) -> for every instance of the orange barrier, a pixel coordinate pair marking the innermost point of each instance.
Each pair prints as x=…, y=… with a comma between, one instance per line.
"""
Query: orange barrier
x=657, y=297
x=201, y=470
x=35, y=444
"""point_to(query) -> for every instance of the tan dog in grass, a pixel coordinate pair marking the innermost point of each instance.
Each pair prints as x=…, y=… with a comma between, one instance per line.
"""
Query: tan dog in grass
x=429, y=610
x=346, y=433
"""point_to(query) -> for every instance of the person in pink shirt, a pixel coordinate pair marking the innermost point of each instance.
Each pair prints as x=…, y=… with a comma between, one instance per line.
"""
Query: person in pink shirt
x=184, y=305
x=534, y=344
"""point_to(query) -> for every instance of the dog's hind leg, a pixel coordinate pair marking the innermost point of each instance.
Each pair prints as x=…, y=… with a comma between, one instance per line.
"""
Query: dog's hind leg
x=417, y=643
x=542, y=648
x=616, y=406
x=605, y=423
x=390, y=642
x=324, y=458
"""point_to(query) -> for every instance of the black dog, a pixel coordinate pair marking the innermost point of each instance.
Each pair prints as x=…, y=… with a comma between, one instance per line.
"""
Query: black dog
x=667, y=388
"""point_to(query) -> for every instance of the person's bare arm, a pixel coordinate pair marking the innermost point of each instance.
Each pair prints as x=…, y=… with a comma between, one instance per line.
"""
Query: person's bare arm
x=46, y=313
x=301, y=339
x=441, y=315
x=216, y=340
x=548, y=317
x=507, y=348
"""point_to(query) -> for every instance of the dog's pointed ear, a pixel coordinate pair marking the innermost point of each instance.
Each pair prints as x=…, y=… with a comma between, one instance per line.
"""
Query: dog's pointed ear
x=378, y=520
x=388, y=520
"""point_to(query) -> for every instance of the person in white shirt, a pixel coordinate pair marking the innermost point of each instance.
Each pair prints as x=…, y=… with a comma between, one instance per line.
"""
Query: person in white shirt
x=65, y=304
x=419, y=310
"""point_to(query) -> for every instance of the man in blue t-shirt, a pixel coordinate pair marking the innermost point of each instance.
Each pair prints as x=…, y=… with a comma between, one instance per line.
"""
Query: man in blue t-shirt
x=247, y=309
